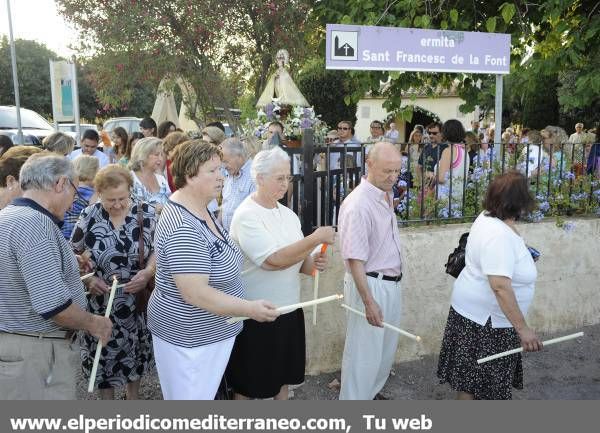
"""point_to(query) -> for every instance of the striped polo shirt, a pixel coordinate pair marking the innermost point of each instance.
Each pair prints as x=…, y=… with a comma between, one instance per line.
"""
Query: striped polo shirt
x=184, y=244
x=40, y=275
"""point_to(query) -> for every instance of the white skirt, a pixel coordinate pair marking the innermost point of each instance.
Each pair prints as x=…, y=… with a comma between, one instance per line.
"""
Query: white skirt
x=191, y=373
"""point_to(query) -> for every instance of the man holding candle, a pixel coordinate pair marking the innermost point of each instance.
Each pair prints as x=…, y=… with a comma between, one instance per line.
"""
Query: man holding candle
x=370, y=246
x=41, y=295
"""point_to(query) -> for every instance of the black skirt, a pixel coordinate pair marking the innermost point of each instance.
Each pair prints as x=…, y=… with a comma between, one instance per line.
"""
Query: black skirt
x=464, y=343
x=267, y=356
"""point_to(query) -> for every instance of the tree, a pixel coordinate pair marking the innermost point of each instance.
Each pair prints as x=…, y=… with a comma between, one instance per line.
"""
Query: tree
x=34, y=79
x=34, y=75
x=326, y=91
x=208, y=43
x=546, y=37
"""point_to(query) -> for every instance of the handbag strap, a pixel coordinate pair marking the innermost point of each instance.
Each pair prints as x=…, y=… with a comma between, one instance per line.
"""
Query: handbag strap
x=140, y=220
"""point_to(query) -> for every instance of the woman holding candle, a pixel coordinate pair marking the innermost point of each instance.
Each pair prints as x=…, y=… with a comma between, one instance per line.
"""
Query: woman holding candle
x=110, y=231
x=267, y=357
x=490, y=299
x=198, y=282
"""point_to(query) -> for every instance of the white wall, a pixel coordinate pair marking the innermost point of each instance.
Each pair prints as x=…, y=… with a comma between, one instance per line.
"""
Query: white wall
x=567, y=290
x=446, y=107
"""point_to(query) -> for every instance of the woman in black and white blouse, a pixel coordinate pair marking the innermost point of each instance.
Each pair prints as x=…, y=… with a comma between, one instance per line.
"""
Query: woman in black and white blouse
x=198, y=283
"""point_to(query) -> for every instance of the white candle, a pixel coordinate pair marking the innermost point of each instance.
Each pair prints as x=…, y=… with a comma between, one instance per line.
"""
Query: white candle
x=288, y=308
x=111, y=298
x=385, y=325
x=520, y=349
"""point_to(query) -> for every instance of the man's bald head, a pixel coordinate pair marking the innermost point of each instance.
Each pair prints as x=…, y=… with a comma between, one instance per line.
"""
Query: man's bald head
x=384, y=150
x=384, y=164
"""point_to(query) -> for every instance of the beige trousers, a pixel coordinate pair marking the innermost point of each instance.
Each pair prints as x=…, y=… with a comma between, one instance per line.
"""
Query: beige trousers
x=37, y=369
x=369, y=351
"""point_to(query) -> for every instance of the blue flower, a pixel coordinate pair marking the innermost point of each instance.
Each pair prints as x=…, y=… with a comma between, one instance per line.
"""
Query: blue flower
x=570, y=175
x=544, y=206
x=535, y=216
x=568, y=226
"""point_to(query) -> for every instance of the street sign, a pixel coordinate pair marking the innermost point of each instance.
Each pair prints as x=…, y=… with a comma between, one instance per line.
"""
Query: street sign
x=407, y=49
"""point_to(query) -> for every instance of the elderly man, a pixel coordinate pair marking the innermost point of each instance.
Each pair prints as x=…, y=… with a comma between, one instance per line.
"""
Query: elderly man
x=41, y=294
x=370, y=247
x=238, y=182
x=393, y=134
x=579, y=135
x=89, y=146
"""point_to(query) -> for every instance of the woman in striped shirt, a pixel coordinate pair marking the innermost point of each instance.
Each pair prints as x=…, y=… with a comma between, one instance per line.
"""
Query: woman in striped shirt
x=198, y=282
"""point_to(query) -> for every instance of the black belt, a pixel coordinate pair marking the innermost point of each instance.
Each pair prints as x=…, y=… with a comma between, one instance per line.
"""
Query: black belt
x=385, y=277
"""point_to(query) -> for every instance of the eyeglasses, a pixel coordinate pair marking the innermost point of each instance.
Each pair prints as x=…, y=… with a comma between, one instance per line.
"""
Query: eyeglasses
x=433, y=132
x=343, y=128
x=376, y=127
x=283, y=178
x=75, y=189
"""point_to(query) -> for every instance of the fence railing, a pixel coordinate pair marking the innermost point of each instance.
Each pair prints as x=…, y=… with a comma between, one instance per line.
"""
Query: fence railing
x=559, y=176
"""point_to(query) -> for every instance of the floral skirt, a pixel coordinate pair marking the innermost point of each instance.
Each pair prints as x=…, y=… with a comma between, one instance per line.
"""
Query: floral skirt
x=128, y=354
x=464, y=343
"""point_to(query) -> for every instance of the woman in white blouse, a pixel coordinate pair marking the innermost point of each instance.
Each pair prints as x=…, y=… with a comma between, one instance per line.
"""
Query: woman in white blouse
x=147, y=160
x=490, y=299
x=267, y=357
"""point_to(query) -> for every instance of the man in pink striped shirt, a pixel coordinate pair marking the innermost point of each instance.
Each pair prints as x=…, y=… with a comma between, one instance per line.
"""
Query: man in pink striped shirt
x=370, y=243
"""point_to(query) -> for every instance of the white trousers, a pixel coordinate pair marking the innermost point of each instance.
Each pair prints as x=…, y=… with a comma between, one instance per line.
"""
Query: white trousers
x=191, y=373
x=369, y=351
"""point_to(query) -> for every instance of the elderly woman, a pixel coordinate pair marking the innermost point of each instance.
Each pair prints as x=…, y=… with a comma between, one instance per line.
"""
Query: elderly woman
x=59, y=143
x=10, y=165
x=491, y=297
x=110, y=231
x=146, y=161
x=267, y=357
x=86, y=167
x=198, y=282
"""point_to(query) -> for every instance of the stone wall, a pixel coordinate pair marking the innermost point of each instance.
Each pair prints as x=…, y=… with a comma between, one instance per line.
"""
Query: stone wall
x=567, y=290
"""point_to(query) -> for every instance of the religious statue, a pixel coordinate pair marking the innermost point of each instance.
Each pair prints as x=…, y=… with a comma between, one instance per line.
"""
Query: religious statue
x=280, y=86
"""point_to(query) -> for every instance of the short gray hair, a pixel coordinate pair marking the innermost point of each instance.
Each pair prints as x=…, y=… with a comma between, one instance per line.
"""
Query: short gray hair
x=42, y=171
x=264, y=161
x=235, y=146
x=59, y=142
x=141, y=150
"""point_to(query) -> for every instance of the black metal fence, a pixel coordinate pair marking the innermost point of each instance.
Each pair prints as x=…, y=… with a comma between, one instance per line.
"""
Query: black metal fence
x=560, y=178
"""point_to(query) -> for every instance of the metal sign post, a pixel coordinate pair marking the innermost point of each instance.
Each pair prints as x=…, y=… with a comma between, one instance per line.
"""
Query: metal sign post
x=13, y=57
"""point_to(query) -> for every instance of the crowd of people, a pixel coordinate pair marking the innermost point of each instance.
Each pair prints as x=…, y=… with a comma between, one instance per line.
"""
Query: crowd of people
x=195, y=232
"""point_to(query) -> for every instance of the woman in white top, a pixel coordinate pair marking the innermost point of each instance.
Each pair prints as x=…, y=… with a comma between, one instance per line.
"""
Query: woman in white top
x=490, y=299
x=149, y=186
x=452, y=169
x=266, y=358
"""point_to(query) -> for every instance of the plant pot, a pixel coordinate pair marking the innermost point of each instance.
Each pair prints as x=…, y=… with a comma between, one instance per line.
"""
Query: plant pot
x=293, y=143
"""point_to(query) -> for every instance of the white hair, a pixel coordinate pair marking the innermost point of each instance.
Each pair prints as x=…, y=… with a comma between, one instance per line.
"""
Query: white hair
x=235, y=146
x=265, y=160
x=42, y=171
x=142, y=149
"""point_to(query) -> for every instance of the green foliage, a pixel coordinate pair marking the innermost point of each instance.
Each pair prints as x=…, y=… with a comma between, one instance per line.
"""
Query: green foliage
x=34, y=79
x=208, y=43
x=328, y=91
x=548, y=38
x=34, y=75
x=540, y=103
